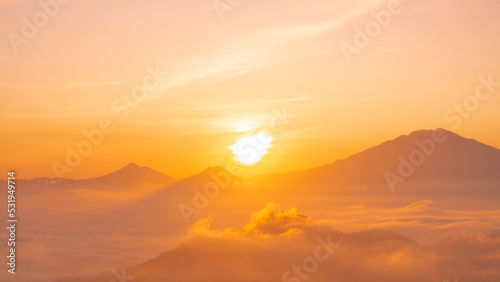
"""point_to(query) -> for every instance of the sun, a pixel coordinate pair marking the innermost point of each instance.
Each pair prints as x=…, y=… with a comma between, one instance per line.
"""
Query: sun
x=250, y=149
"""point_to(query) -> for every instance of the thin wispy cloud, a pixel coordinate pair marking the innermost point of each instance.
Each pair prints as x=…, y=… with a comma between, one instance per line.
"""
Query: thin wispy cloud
x=59, y=86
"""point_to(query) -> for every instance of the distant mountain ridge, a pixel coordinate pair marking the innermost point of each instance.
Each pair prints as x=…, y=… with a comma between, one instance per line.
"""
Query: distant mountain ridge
x=132, y=174
x=455, y=159
x=128, y=177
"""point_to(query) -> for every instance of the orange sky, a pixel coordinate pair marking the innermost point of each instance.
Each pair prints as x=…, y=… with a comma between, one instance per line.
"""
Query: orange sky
x=228, y=76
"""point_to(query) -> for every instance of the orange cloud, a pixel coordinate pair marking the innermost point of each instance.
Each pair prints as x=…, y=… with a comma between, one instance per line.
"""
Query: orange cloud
x=266, y=223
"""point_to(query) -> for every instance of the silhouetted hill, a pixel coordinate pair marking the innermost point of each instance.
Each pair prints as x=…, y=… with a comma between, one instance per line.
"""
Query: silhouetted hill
x=131, y=176
x=451, y=158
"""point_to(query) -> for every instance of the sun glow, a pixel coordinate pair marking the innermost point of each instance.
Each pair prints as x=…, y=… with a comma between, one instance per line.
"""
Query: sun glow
x=242, y=126
x=249, y=150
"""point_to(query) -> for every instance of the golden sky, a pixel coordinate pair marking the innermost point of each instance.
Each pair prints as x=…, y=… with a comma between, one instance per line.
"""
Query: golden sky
x=224, y=77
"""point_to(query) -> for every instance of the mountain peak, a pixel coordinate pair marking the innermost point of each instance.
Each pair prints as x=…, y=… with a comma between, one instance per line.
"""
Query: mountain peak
x=131, y=166
x=133, y=175
x=207, y=175
x=444, y=156
x=422, y=133
x=134, y=169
